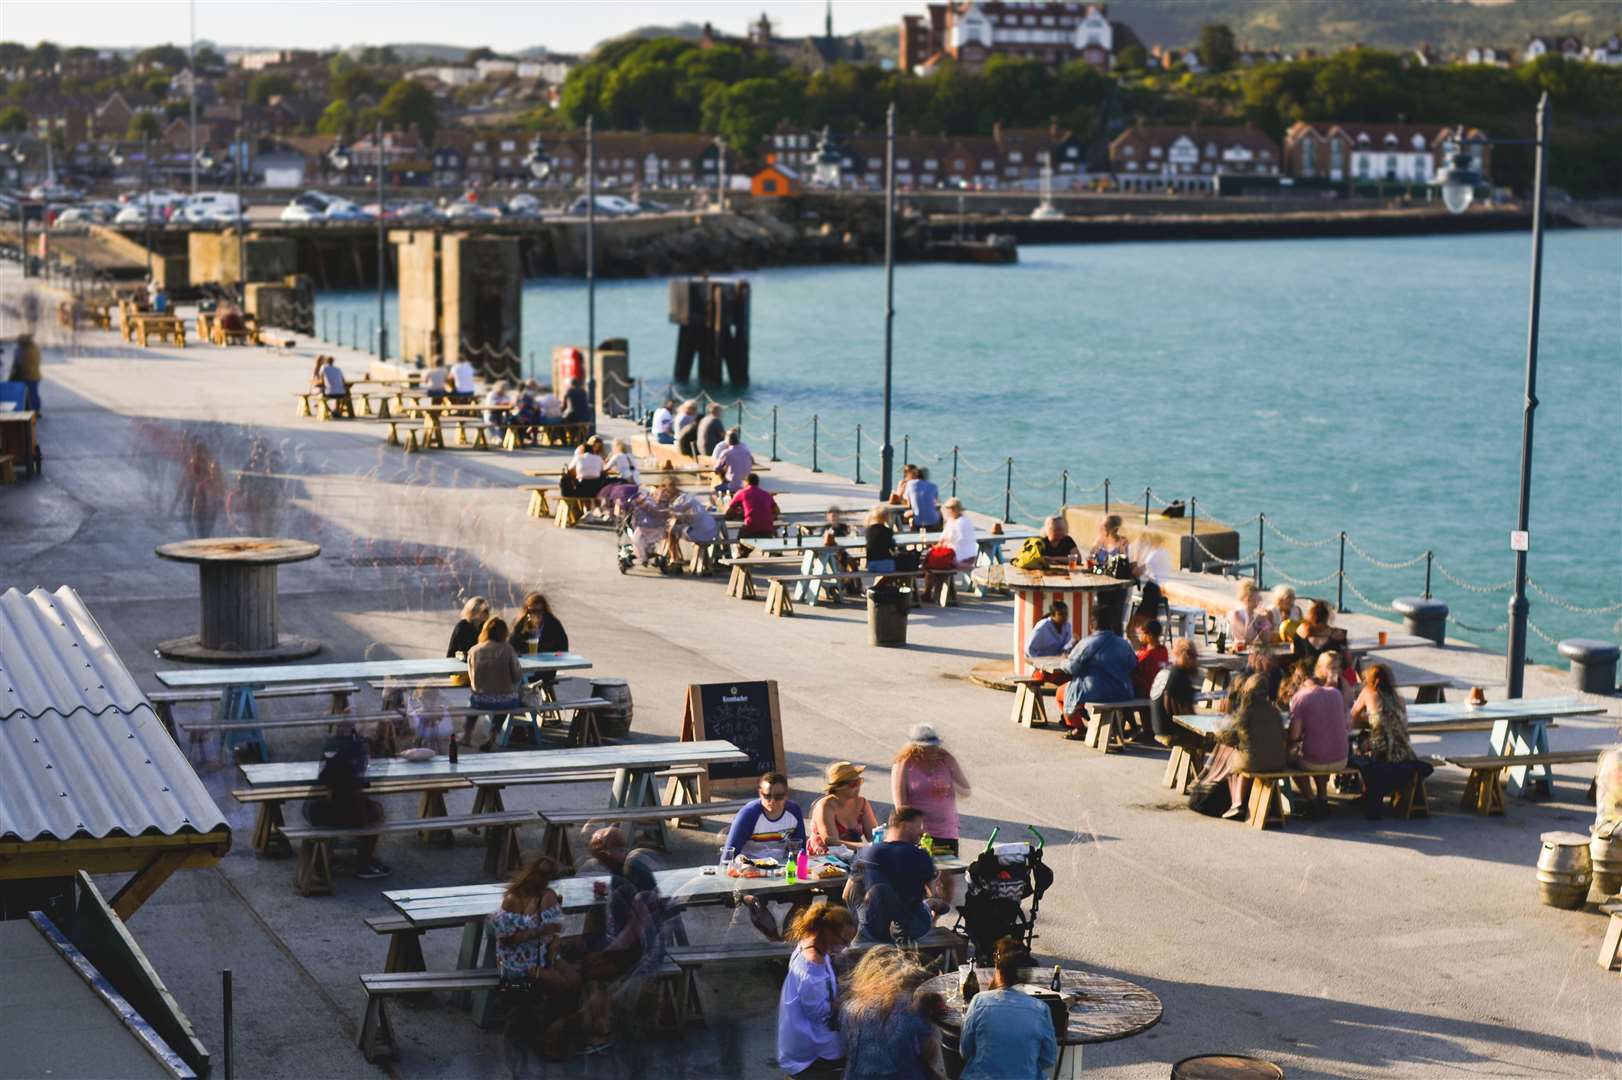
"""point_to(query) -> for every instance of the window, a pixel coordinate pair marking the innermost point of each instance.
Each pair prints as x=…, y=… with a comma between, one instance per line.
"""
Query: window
x=988, y=165
x=1070, y=151
x=769, y=187
x=1047, y=20
x=1363, y=166
x=1015, y=157
x=687, y=163
x=1154, y=151
x=1131, y=166
x=478, y=147
x=1210, y=149
x=931, y=163
x=874, y=163
x=508, y=145
x=1391, y=166
x=1129, y=151
x=903, y=163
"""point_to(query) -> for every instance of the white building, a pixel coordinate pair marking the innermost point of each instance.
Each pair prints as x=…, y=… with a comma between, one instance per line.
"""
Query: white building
x=450, y=76
x=491, y=70
x=1608, y=51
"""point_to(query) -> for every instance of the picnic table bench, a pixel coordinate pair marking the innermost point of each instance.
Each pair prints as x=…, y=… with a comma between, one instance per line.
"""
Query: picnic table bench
x=557, y=433
x=1484, y=788
x=267, y=838
x=648, y=821
x=583, y=729
x=312, y=875
x=1610, y=948
x=164, y=701
x=163, y=327
x=780, y=599
x=1517, y=727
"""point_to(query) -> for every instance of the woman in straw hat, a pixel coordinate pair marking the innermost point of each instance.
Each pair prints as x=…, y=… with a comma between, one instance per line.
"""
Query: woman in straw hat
x=926, y=775
x=842, y=816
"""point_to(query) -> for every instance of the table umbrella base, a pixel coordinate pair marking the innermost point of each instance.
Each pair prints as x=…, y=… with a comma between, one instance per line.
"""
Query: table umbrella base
x=192, y=648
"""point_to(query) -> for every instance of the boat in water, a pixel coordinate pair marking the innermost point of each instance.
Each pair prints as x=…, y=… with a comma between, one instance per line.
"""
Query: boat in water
x=1045, y=210
x=995, y=248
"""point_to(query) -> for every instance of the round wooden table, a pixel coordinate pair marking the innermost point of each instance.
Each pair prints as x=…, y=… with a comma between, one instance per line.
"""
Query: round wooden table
x=1034, y=593
x=238, y=578
x=1102, y=1009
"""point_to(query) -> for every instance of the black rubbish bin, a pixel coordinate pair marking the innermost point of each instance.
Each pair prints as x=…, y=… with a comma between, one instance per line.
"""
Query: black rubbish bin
x=887, y=607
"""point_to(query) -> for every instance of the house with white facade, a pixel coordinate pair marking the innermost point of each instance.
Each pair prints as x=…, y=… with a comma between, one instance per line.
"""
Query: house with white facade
x=1562, y=44
x=1372, y=153
x=1165, y=157
x=970, y=33
x=1608, y=51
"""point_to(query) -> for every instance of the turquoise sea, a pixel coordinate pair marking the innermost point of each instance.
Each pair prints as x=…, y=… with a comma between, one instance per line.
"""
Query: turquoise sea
x=1371, y=386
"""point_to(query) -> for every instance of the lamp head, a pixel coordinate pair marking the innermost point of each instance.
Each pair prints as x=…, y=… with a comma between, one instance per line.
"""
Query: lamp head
x=1458, y=180
x=540, y=165
x=339, y=156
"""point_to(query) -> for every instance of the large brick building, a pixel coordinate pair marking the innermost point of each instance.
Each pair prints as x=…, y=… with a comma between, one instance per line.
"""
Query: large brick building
x=1391, y=153
x=970, y=33
x=1156, y=158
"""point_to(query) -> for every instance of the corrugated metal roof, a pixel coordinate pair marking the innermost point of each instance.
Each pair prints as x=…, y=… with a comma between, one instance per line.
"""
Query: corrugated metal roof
x=81, y=751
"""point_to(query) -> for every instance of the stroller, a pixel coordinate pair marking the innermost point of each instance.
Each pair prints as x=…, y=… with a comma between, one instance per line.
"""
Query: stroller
x=640, y=511
x=1000, y=879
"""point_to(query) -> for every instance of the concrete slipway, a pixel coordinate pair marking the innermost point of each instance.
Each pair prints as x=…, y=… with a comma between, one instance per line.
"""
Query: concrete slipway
x=1337, y=948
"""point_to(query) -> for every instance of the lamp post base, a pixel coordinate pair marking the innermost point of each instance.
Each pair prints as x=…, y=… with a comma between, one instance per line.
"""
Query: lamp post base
x=191, y=648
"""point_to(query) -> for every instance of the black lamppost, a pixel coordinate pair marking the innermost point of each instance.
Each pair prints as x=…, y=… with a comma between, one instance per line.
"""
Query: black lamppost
x=20, y=156
x=537, y=160
x=338, y=158
x=382, y=254
x=591, y=262
x=720, y=173
x=886, y=451
x=118, y=159
x=240, y=164
x=1458, y=180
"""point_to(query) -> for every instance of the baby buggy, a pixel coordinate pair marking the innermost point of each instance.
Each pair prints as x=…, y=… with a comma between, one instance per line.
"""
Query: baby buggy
x=640, y=524
x=1000, y=879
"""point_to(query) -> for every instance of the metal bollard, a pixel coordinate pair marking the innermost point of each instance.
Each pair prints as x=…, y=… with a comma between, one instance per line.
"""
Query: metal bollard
x=954, y=472
x=739, y=424
x=774, y=432
x=1146, y=506
x=226, y=1008
x=1340, y=578
x=814, y=443
x=1261, y=546
x=1427, y=575
x=1008, y=493
x=858, y=453
x=1106, y=496
x=1064, y=488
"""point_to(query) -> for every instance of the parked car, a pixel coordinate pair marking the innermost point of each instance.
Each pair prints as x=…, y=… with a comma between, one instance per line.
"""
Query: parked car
x=524, y=204
x=467, y=211
x=208, y=208
x=318, y=206
x=55, y=193
x=611, y=205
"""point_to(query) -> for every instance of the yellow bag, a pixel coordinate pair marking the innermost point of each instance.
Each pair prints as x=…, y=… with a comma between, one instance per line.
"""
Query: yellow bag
x=1030, y=555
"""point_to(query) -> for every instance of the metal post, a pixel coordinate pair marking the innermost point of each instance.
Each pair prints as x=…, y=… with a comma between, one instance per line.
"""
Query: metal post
x=1008, y=493
x=324, y=324
x=591, y=261
x=814, y=443
x=641, y=413
x=226, y=1011
x=1261, y=546
x=858, y=453
x=1427, y=575
x=1146, y=506
x=146, y=205
x=954, y=472
x=191, y=67
x=1106, y=496
x=1515, y=656
x=1192, y=561
x=739, y=424
x=242, y=235
x=1064, y=488
x=354, y=330
x=906, y=449
x=886, y=451
x=1340, y=578
x=774, y=432
x=382, y=254
x=371, y=331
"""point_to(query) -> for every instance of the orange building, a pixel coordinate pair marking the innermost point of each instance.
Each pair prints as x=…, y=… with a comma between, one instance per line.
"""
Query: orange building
x=775, y=181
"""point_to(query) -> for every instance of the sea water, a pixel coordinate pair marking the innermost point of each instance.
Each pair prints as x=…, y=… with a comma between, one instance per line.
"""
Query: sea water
x=1372, y=386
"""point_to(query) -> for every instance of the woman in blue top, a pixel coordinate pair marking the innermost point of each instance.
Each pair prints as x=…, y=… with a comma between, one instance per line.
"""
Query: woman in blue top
x=808, y=1042
x=1007, y=1034
x=886, y=1034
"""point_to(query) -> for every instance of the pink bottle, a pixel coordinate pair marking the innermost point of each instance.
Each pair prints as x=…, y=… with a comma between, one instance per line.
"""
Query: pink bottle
x=802, y=865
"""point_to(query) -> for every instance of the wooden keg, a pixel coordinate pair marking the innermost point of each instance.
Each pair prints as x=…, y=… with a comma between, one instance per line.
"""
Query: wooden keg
x=1564, y=869
x=1605, y=853
x=614, y=721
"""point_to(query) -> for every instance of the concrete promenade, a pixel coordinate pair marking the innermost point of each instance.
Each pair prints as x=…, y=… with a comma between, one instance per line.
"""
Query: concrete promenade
x=1338, y=948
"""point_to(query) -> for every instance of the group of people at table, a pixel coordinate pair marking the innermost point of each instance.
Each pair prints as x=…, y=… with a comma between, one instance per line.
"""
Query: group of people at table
x=869, y=1023
x=1299, y=704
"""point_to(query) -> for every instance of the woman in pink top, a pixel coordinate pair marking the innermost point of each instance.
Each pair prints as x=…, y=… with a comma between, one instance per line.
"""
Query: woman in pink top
x=926, y=775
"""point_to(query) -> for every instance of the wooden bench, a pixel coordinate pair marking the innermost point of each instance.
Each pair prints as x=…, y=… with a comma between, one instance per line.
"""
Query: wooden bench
x=267, y=838
x=538, y=506
x=1484, y=789
x=780, y=602
x=582, y=727
x=8, y=469
x=571, y=510
x=690, y=958
x=682, y=789
x=164, y=701
x=558, y=434
x=1267, y=800
x=1610, y=949
x=387, y=745
x=162, y=327
x=313, y=874
x=649, y=821
x=741, y=585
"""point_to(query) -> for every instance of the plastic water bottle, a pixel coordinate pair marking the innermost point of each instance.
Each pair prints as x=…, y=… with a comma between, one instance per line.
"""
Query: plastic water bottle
x=927, y=842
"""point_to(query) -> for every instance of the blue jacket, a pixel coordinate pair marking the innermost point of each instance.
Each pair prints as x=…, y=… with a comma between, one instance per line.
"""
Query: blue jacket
x=1047, y=639
x=1007, y=1035
x=1101, y=670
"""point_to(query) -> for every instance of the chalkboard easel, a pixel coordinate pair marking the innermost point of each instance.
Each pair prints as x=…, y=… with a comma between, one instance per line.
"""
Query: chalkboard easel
x=744, y=714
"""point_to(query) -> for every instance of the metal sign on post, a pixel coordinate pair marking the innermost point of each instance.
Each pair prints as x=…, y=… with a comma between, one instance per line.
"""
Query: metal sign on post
x=1520, y=540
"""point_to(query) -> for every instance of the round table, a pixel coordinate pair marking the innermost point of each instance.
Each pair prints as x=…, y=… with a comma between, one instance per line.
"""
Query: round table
x=1102, y=1009
x=1034, y=593
x=238, y=576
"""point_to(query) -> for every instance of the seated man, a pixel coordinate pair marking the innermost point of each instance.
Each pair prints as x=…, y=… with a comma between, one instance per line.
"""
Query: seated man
x=616, y=931
x=890, y=880
x=1100, y=669
x=229, y=317
x=732, y=462
x=1177, y=698
x=1056, y=542
x=1320, y=724
x=755, y=505
x=333, y=383
x=771, y=827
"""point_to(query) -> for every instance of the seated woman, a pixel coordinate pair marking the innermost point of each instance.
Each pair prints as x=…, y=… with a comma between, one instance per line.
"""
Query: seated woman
x=1286, y=613
x=1318, y=730
x=230, y=317
x=1152, y=658
x=1252, y=742
x=1386, y=756
x=842, y=816
x=957, y=550
x=1111, y=552
x=690, y=519
x=623, y=478
x=1177, y=697
x=1313, y=635
x=527, y=929
x=465, y=634
x=496, y=680
x=583, y=477
x=887, y=1032
x=808, y=1040
x=1151, y=562
x=881, y=553
x=537, y=626
x=1249, y=622
x=650, y=523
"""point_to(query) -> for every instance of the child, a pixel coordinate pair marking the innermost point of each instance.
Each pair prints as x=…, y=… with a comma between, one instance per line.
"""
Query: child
x=429, y=718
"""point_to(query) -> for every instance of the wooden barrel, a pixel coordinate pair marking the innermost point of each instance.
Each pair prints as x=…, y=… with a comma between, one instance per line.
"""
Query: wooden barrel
x=1225, y=1067
x=1605, y=854
x=1564, y=870
x=614, y=721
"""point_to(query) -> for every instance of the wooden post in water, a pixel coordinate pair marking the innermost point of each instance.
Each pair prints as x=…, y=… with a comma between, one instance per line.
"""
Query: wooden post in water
x=713, y=321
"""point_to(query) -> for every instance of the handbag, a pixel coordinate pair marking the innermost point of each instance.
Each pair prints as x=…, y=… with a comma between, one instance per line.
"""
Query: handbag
x=1213, y=799
x=1029, y=556
x=941, y=557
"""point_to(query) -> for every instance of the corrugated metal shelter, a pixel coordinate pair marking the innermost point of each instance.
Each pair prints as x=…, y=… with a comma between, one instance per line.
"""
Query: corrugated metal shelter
x=89, y=778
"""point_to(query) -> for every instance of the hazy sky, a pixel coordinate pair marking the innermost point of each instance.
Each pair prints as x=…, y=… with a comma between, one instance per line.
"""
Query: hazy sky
x=561, y=25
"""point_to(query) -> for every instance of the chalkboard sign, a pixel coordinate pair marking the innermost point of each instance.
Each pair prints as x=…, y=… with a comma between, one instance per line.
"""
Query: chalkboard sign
x=744, y=714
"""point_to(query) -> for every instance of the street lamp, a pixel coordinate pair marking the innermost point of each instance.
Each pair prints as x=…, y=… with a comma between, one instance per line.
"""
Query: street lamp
x=538, y=161
x=117, y=158
x=339, y=158
x=720, y=173
x=239, y=164
x=591, y=263
x=886, y=451
x=382, y=252
x=1458, y=180
x=20, y=156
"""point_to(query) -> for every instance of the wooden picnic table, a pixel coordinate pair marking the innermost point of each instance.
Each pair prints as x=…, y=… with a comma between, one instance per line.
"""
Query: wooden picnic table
x=820, y=559
x=634, y=766
x=164, y=327
x=237, y=704
x=1518, y=726
x=1034, y=594
x=433, y=416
